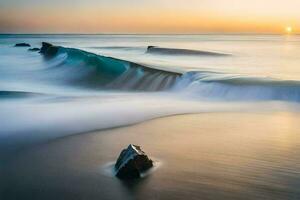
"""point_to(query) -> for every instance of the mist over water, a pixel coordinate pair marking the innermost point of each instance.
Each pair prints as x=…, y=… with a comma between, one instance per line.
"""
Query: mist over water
x=103, y=81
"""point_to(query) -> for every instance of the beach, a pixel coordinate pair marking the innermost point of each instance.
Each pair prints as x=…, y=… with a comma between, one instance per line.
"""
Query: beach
x=201, y=156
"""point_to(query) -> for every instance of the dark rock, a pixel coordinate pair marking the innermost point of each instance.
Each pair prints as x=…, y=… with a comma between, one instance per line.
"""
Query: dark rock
x=150, y=47
x=22, y=45
x=34, y=49
x=132, y=162
x=48, y=50
x=45, y=46
x=185, y=52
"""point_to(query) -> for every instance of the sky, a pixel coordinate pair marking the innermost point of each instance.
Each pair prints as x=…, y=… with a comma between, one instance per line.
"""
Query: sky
x=149, y=16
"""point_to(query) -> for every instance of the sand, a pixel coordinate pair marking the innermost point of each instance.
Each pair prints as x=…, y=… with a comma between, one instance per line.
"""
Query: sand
x=203, y=156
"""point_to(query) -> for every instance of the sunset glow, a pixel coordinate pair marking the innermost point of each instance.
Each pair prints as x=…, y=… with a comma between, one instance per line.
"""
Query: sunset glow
x=132, y=16
x=289, y=29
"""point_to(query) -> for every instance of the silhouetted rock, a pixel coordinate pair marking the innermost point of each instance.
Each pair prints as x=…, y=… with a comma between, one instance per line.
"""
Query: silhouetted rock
x=132, y=162
x=34, y=49
x=184, y=52
x=150, y=47
x=44, y=47
x=22, y=45
x=48, y=50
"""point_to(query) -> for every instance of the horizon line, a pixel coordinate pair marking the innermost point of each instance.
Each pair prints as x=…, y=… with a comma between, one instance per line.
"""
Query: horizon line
x=203, y=33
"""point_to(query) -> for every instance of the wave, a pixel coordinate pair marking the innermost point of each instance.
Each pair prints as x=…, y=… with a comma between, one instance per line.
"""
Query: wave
x=237, y=87
x=184, y=52
x=87, y=69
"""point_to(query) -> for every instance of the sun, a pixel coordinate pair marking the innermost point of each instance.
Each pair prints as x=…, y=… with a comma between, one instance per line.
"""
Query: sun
x=289, y=29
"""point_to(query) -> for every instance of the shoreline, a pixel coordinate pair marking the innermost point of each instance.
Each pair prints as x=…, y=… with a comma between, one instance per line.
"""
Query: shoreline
x=208, y=156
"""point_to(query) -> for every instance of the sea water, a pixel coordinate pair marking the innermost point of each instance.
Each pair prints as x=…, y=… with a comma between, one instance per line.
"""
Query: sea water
x=103, y=81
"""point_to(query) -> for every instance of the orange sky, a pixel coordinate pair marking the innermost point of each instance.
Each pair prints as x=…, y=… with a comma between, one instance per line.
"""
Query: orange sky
x=145, y=16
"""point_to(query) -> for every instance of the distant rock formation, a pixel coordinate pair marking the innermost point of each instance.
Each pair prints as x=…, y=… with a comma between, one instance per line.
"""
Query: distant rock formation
x=22, y=45
x=44, y=47
x=150, y=47
x=132, y=162
x=34, y=49
x=48, y=50
x=184, y=52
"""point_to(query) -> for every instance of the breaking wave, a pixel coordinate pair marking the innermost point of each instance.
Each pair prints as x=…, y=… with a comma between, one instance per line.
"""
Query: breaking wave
x=92, y=70
x=87, y=69
x=237, y=87
x=78, y=68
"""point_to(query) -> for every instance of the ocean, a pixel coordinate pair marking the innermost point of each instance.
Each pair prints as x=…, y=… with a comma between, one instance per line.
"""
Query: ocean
x=99, y=83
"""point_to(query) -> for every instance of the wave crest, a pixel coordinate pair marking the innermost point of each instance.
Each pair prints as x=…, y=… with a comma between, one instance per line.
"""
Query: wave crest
x=237, y=87
x=92, y=70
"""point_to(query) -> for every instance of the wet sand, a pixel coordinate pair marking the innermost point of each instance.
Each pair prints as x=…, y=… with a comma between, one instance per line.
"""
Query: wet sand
x=204, y=156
